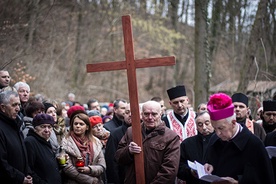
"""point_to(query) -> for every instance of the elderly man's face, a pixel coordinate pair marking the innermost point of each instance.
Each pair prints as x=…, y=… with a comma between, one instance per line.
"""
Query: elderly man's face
x=151, y=115
x=204, y=125
x=24, y=94
x=12, y=108
x=224, y=129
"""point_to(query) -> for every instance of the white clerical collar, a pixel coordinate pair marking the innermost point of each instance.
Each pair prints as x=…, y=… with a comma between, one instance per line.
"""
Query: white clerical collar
x=239, y=129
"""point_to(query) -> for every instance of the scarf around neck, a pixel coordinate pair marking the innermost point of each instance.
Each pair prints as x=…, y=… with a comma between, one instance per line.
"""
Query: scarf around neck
x=85, y=146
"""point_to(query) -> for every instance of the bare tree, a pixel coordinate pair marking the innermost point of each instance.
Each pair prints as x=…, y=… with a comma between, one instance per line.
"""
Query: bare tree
x=201, y=84
x=254, y=44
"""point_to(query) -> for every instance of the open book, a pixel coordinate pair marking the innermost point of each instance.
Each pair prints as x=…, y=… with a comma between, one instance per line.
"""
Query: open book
x=271, y=150
x=201, y=172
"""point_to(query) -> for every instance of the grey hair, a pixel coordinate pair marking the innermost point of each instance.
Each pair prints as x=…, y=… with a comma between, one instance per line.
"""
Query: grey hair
x=5, y=96
x=200, y=114
x=231, y=118
x=21, y=84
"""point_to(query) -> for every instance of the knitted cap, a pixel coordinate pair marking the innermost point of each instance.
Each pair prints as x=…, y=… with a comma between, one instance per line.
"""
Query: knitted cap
x=75, y=110
x=40, y=119
x=47, y=106
x=93, y=113
x=220, y=106
x=176, y=92
x=94, y=120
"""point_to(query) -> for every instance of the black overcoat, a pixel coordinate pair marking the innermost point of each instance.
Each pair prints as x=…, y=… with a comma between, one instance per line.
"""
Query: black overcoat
x=243, y=158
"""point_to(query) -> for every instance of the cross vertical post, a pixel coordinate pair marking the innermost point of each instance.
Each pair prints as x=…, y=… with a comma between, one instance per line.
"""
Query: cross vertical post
x=130, y=64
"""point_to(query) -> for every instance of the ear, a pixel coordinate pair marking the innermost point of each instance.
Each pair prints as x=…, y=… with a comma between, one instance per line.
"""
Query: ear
x=2, y=107
x=233, y=122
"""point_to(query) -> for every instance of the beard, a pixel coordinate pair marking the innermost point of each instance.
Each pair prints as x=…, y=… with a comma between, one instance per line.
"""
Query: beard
x=241, y=119
x=268, y=128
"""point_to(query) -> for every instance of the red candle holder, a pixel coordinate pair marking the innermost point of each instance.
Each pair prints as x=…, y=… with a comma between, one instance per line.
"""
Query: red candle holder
x=80, y=162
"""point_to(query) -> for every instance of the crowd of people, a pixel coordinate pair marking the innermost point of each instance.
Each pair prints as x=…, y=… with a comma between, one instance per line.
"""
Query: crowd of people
x=45, y=141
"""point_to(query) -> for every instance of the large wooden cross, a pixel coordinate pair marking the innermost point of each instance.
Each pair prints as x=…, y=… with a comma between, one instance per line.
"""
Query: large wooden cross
x=130, y=64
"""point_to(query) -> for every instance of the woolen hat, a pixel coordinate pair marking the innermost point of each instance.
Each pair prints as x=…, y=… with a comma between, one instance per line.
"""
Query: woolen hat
x=240, y=97
x=269, y=105
x=93, y=113
x=40, y=119
x=220, y=106
x=94, y=120
x=72, y=111
x=47, y=106
x=176, y=92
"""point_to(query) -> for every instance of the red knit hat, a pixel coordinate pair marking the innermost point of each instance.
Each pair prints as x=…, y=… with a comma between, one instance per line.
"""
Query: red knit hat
x=94, y=120
x=75, y=110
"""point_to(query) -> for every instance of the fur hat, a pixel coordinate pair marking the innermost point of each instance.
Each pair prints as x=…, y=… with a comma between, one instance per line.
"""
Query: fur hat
x=94, y=120
x=220, y=106
x=75, y=110
x=176, y=92
x=240, y=97
x=269, y=105
x=40, y=119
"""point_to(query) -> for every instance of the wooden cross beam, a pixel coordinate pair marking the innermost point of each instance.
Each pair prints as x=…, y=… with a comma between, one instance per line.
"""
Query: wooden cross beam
x=130, y=64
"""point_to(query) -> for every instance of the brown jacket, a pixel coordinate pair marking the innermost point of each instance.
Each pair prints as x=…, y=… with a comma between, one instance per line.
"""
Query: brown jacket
x=161, y=150
x=97, y=166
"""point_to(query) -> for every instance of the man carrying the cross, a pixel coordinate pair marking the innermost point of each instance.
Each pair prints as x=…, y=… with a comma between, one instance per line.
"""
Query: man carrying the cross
x=181, y=120
x=161, y=148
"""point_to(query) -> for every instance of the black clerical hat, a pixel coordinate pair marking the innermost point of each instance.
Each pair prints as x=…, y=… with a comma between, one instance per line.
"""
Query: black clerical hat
x=240, y=97
x=176, y=92
x=269, y=105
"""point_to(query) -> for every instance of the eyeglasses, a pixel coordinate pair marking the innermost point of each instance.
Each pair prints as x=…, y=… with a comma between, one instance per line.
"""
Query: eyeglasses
x=147, y=114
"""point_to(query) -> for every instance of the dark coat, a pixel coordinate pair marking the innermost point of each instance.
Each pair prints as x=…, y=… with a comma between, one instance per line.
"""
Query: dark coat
x=258, y=129
x=270, y=140
x=113, y=123
x=13, y=155
x=193, y=149
x=161, y=149
x=42, y=159
x=243, y=158
x=114, y=172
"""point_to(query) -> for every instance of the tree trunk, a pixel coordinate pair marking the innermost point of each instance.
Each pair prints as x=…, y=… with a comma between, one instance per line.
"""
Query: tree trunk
x=201, y=85
x=253, y=45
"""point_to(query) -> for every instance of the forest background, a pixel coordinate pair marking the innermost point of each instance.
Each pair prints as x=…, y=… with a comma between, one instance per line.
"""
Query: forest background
x=48, y=44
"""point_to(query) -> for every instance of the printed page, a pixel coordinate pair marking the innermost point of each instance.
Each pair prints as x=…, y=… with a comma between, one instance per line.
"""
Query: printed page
x=202, y=174
x=271, y=150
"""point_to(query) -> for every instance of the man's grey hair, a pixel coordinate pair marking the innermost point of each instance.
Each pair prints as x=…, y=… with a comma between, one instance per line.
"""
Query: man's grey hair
x=231, y=118
x=21, y=84
x=5, y=96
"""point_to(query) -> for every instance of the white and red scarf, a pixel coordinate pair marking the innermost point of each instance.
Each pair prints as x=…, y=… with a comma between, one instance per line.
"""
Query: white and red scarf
x=189, y=128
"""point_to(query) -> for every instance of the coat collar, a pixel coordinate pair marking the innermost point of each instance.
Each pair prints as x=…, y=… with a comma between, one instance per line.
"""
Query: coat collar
x=240, y=140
